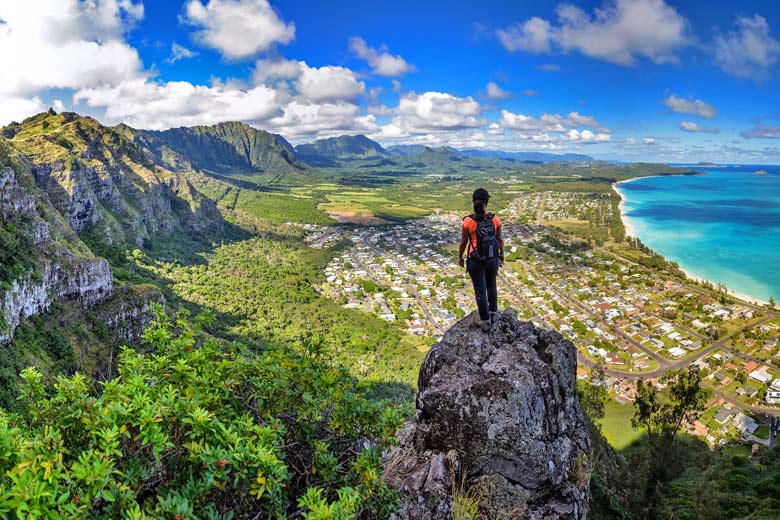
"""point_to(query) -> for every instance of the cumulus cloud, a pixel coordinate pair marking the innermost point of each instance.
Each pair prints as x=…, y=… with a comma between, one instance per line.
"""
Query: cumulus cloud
x=555, y=128
x=329, y=83
x=690, y=126
x=695, y=107
x=749, y=51
x=549, y=122
x=148, y=104
x=549, y=67
x=16, y=108
x=494, y=92
x=180, y=52
x=273, y=69
x=237, y=28
x=431, y=111
x=65, y=44
x=620, y=32
x=535, y=35
x=381, y=61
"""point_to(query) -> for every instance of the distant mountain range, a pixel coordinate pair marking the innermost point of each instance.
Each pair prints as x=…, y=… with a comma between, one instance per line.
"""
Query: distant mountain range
x=327, y=152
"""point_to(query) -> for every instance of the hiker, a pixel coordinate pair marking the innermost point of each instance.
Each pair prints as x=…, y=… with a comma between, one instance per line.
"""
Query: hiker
x=481, y=234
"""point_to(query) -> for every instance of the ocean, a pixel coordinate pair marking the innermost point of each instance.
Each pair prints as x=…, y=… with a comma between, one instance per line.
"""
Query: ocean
x=723, y=226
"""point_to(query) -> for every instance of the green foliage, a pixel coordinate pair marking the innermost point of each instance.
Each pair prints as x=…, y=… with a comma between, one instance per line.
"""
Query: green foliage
x=196, y=429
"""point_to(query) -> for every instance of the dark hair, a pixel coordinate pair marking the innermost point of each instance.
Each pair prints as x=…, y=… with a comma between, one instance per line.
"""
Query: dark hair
x=479, y=207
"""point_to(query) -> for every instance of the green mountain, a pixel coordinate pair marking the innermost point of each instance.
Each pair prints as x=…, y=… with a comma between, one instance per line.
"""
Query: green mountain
x=223, y=148
x=106, y=187
x=344, y=147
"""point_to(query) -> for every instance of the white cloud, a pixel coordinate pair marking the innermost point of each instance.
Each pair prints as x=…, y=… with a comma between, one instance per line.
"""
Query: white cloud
x=381, y=61
x=535, y=35
x=65, y=44
x=17, y=109
x=329, y=83
x=620, y=32
x=436, y=111
x=237, y=28
x=180, y=52
x=272, y=69
x=587, y=136
x=762, y=131
x=531, y=92
x=690, y=126
x=549, y=67
x=548, y=122
x=147, y=104
x=493, y=91
x=749, y=51
x=649, y=140
x=695, y=107
x=303, y=120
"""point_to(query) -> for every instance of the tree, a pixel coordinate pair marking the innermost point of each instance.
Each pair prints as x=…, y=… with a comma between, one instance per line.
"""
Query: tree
x=593, y=396
x=661, y=415
x=771, y=302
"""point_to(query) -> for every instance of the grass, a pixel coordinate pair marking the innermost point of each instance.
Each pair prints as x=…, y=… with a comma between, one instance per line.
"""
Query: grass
x=763, y=432
x=616, y=424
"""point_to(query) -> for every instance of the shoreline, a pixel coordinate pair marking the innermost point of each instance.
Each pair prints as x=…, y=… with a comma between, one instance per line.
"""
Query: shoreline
x=631, y=232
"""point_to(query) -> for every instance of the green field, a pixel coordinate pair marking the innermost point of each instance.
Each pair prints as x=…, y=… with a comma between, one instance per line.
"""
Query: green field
x=616, y=424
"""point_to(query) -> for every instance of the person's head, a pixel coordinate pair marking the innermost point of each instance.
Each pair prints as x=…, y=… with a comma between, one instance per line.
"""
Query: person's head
x=480, y=200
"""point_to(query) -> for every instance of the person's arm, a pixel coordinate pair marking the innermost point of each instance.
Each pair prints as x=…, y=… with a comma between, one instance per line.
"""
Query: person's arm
x=464, y=241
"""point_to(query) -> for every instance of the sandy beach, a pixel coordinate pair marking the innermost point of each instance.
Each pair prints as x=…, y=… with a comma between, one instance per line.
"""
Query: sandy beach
x=631, y=231
x=730, y=292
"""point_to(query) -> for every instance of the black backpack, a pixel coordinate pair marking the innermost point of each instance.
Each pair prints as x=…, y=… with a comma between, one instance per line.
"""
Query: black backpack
x=487, y=242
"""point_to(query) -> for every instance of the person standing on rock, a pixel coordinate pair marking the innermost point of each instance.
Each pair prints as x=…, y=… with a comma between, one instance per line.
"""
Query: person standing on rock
x=481, y=234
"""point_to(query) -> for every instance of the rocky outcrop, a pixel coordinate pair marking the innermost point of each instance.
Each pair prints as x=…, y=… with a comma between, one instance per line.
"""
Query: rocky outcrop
x=498, y=426
x=55, y=273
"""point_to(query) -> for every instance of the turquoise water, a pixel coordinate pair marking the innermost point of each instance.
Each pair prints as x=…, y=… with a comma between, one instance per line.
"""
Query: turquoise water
x=723, y=226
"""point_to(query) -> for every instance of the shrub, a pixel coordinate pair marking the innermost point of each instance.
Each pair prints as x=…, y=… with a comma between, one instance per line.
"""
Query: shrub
x=195, y=429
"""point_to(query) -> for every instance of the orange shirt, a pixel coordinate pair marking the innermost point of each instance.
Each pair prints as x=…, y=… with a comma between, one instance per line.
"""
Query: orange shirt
x=470, y=225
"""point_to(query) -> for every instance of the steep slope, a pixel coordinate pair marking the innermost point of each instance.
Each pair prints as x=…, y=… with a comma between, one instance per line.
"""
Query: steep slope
x=230, y=147
x=499, y=421
x=42, y=261
x=344, y=147
x=105, y=186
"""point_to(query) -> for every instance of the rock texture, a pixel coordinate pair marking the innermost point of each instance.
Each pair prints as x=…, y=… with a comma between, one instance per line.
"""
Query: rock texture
x=498, y=421
x=59, y=274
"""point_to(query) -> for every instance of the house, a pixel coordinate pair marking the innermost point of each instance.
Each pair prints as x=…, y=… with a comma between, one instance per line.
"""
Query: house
x=762, y=376
x=745, y=423
x=676, y=352
x=773, y=397
x=747, y=391
x=723, y=416
x=750, y=366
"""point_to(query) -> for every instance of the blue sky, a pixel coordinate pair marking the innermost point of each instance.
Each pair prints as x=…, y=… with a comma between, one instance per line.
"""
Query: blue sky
x=649, y=80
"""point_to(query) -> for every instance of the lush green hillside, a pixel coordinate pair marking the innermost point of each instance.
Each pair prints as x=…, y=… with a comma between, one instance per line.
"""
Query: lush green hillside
x=223, y=148
x=342, y=147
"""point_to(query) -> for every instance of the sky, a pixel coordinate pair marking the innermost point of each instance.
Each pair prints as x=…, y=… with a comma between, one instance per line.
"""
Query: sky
x=629, y=80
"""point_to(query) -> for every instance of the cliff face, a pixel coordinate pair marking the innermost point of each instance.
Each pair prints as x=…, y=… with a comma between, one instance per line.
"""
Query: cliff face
x=499, y=424
x=103, y=183
x=46, y=271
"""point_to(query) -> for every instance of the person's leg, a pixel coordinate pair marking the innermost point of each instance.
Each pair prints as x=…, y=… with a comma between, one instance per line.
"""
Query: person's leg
x=491, y=272
x=477, y=274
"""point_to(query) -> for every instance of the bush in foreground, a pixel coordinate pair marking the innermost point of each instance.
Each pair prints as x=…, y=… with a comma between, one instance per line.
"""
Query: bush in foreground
x=193, y=429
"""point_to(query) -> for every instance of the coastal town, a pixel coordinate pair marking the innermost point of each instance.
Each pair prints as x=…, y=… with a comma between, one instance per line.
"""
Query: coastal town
x=626, y=310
